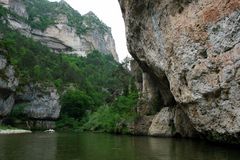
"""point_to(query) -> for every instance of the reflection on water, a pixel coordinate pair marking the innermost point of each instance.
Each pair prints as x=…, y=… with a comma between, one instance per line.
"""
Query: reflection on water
x=88, y=146
x=28, y=147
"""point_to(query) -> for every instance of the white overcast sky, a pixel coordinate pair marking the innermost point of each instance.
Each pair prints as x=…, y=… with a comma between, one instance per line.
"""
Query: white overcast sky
x=109, y=12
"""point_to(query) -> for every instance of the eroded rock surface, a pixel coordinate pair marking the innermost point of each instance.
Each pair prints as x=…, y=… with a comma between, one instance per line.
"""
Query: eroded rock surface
x=8, y=84
x=4, y=3
x=192, y=51
x=61, y=37
x=41, y=102
x=41, y=125
x=172, y=122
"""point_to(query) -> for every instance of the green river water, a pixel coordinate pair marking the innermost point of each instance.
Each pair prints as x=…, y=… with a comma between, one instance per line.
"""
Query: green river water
x=89, y=146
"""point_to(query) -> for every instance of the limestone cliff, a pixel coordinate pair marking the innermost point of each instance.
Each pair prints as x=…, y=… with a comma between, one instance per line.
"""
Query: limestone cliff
x=23, y=23
x=8, y=84
x=39, y=104
x=60, y=27
x=189, y=51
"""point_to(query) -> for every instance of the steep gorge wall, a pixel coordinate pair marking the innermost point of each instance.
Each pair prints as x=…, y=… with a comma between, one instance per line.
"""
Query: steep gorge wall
x=38, y=103
x=189, y=51
x=61, y=37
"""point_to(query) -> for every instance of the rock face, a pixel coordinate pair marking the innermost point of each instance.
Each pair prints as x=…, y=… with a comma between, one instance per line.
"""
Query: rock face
x=40, y=102
x=8, y=84
x=39, y=105
x=41, y=125
x=61, y=37
x=59, y=29
x=4, y=3
x=189, y=52
x=172, y=122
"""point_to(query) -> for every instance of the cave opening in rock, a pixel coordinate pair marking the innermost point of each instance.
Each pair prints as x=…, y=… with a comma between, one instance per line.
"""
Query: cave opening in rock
x=156, y=90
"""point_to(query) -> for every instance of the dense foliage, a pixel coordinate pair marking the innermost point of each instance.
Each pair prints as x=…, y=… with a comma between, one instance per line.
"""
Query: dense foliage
x=75, y=103
x=113, y=117
x=43, y=13
x=6, y=127
x=97, y=93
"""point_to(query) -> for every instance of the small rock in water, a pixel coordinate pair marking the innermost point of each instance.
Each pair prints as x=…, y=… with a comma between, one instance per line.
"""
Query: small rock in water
x=50, y=131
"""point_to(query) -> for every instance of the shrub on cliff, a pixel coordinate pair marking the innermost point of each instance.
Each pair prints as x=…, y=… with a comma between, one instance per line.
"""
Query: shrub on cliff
x=97, y=80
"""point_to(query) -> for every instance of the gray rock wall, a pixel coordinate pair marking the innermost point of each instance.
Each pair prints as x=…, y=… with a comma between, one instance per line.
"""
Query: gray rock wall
x=194, y=47
x=41, y=102
x=61, y=37
x=8, y=84
x=4, y=3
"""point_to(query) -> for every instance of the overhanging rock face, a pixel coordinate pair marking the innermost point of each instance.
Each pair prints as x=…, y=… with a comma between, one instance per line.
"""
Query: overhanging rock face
x=192, y=50
x=41, y=102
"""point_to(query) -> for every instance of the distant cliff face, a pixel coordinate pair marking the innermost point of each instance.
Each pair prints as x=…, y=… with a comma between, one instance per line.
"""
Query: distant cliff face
x=189, y=51
x=60, y=27
x=4, y=3
x=25, y=23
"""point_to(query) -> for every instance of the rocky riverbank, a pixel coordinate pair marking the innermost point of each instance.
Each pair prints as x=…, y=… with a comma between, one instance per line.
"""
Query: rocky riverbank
x=14, y=131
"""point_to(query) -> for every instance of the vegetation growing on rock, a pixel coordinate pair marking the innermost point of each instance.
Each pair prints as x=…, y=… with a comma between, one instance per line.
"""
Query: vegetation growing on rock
x=90, y=87
x=43, y=14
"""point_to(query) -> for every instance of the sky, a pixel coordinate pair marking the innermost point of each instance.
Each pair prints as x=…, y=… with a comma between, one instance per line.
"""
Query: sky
x=109, y=12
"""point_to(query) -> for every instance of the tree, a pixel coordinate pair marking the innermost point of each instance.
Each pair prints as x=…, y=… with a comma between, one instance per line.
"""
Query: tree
x=75, y=103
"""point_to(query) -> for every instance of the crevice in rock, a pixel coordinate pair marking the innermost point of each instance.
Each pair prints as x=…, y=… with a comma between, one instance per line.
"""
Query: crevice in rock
x=165, y=95
x=212, y=96
x=156, y=92
x=204, y=54
x=177, y=6
x=19, y=100
x=5, y=93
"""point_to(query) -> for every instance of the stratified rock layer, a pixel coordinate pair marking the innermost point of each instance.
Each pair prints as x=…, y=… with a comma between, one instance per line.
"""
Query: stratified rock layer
x=61, y=37
x=190, y=52
x=41, y=102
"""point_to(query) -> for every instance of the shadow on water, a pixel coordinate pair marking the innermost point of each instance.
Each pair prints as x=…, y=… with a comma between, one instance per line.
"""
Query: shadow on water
x=28, y=147
x=89, y=146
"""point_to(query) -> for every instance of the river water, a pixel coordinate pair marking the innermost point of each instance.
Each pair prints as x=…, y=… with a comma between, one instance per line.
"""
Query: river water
x=89, y=146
